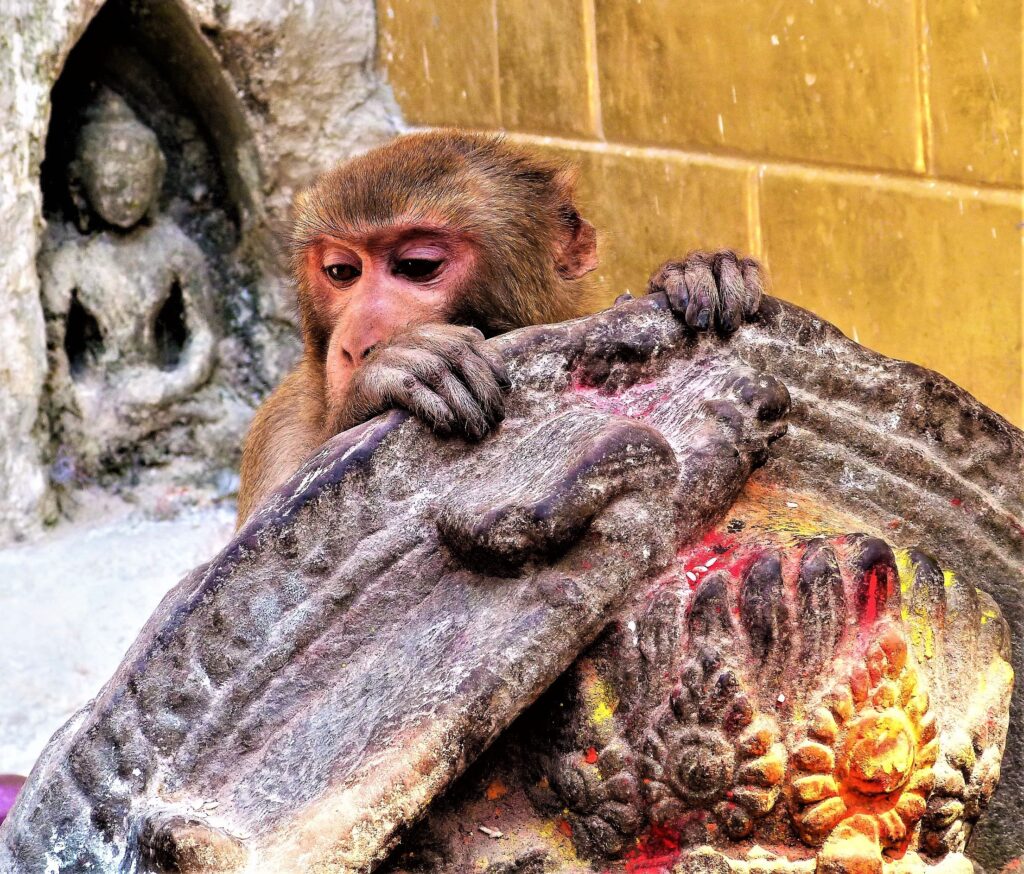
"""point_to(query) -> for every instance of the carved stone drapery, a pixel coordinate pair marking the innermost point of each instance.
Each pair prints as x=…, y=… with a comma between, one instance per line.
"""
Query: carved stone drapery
x=776, y=672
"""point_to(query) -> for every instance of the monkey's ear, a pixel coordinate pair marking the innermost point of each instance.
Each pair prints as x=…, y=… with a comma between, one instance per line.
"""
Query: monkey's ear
x=576, y=254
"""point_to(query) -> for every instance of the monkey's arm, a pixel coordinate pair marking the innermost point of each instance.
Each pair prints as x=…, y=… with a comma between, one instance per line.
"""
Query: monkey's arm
x=711, y=290
x=288, y=426
x=443, y=374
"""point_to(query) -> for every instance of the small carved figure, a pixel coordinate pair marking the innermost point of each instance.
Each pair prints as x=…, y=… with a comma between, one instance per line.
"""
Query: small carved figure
x=127, y=295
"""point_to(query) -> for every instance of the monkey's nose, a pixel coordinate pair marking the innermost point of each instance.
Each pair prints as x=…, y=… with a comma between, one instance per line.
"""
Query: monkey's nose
x=353, y=355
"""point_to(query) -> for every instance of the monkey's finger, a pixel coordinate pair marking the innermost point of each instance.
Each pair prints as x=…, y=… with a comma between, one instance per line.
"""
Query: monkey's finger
x=438, y=374
x=382, y=387
x=460, y=374
x=449, y=341
x=450, y=344
x=670, y=279
x=440, y=341
x=385, y=386
x=754, y=283
x=702, y=307
x=476, y=373
x=731, y=291
x=427, y=405
x=468, y=415
x=375, y=388
x=423, y=362
x=493, y=359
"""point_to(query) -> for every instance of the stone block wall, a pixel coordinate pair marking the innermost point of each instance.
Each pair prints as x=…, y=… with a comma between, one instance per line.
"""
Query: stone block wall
x=869, y=152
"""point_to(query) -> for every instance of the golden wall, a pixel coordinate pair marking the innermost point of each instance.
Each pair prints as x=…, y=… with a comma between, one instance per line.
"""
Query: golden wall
x=869, y=151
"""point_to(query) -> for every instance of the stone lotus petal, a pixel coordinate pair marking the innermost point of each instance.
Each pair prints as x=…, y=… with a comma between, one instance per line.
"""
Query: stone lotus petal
x=880, y=761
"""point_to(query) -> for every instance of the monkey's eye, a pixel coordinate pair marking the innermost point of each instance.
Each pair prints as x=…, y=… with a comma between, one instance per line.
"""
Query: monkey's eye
x=417, y=268
x=341, y=272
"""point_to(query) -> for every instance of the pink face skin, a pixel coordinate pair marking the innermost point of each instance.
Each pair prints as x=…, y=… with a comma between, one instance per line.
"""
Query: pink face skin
x=369, y=287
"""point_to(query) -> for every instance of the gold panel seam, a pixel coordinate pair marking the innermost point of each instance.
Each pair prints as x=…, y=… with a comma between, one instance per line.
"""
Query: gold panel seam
x=755, y=239
x=911, y=184
x=925, y=158
x=593, y=77
x=496, y=60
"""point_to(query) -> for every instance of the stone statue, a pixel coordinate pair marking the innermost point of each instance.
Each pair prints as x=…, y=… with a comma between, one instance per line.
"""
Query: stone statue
x=127, y=295
x=632, y=631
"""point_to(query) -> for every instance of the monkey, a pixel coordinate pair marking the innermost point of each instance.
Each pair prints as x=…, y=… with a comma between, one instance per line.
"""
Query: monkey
x=408, y=256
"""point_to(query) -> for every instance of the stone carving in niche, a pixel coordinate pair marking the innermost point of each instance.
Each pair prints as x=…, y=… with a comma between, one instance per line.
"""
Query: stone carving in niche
x=694, y=645
x=160, y=325
x=129, y=305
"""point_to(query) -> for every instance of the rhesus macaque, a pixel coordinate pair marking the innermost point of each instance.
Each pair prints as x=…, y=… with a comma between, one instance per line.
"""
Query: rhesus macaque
x=408, y=256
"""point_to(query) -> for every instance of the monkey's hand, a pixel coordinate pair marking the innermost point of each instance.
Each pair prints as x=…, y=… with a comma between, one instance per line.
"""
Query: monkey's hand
x=711, y=290
x=443, y=374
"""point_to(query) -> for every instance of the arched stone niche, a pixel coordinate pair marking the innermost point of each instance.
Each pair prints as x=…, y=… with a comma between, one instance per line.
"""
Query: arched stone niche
x=278, y=90
x=153, y=256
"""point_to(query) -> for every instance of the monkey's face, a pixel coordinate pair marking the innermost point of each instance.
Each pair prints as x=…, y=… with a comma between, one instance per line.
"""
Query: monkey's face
x=366, y=287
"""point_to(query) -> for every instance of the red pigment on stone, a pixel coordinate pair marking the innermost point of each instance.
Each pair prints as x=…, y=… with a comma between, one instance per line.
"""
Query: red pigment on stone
x=590, y=756
x=653, y=405
x=635, y=402
x=869, y=611
x=714, y=545
x=878, y=581
x=656, y=852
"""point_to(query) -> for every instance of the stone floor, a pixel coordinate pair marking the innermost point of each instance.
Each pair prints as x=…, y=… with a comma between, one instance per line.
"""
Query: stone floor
x=72, y=602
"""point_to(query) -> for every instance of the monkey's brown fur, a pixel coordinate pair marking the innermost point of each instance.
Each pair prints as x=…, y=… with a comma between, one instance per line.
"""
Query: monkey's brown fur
x=517, y=205
x=531, y=244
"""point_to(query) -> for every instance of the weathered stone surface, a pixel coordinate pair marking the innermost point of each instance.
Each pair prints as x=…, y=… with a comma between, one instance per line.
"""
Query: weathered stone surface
x=803, y=679
x=777, y=665
x=298, y=701
x=921, y=463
